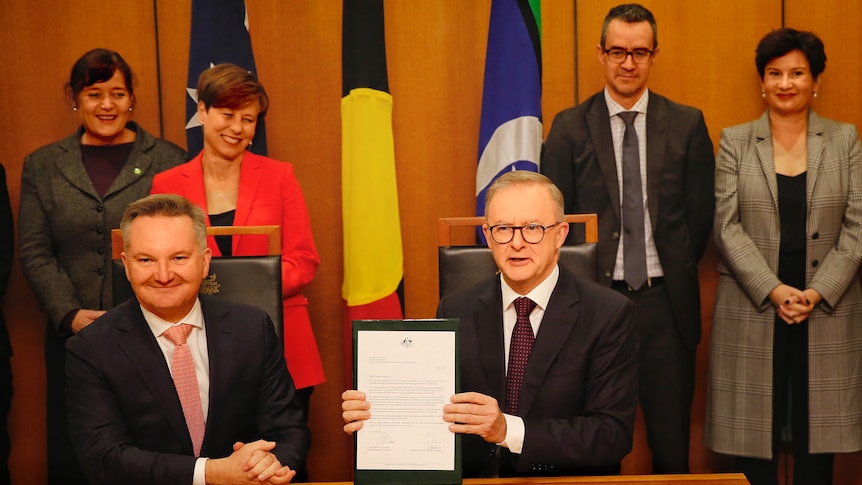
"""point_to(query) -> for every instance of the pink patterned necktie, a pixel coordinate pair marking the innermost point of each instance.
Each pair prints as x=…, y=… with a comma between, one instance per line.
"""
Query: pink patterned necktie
x=519, y=352
x=186, y=382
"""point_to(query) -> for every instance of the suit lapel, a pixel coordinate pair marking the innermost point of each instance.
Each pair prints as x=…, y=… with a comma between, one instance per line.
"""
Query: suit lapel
x=560, y=318
x=71, y=166
x=192, y=181
x=139, y=344
x=815, y=153
x=656, y=133
x=192, y=185
x=137, y=164
x=249, y=182
x=599, y=125
x=221, y=359
x=763, y=147
x=489, y=329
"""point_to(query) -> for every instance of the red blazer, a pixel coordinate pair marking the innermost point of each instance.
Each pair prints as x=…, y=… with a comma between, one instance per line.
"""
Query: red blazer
x=269, y=194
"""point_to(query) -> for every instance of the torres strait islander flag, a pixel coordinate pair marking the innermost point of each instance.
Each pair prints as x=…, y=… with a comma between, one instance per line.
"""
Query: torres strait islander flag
x=373, y=259
x=219, y=33
x=510, y=131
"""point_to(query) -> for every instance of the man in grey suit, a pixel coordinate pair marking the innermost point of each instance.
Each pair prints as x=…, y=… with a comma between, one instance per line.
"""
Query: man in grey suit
x=645, y=165
x=214, y=406
x=569, y=408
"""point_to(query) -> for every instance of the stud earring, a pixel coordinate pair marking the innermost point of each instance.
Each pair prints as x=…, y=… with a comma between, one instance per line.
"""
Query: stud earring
x=130, y=108
x=74, y=108
x=763, y=94
x=815, y=94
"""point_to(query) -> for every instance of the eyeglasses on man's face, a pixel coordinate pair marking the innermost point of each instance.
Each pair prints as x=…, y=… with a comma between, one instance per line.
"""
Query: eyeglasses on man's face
x=530, y=233
x=639, y=56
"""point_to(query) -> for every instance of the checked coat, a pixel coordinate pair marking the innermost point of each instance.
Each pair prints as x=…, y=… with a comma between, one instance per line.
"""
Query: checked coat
x=747, y=232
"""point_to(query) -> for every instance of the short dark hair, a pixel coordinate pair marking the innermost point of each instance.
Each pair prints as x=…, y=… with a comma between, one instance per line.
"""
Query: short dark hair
x=230, y=86
x=97, y=66
x=630, y=13
x=165, y=205
x=779, y=42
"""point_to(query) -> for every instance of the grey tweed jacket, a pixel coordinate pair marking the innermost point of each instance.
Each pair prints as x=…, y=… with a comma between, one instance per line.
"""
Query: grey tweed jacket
x=747, y=232
x=64, y=226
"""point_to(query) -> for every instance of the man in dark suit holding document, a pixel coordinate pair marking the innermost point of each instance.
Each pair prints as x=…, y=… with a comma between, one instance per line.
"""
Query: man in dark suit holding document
x=548, y=360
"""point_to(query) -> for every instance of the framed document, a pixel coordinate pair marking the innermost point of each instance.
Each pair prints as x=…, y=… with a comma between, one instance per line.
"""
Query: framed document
x=408, y=369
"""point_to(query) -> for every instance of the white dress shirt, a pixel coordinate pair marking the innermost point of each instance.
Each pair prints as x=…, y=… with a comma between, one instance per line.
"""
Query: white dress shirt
x=618, y=129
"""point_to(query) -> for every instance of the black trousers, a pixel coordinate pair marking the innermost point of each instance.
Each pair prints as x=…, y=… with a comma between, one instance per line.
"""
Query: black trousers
x=666, y=378
x=790, y=399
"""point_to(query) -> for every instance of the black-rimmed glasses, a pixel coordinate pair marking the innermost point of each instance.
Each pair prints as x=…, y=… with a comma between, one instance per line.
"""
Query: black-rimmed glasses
x=530, y=233
x=639, y=56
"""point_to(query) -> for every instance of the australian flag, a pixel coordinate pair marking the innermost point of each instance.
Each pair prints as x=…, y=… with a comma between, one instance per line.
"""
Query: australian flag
x=219, y=33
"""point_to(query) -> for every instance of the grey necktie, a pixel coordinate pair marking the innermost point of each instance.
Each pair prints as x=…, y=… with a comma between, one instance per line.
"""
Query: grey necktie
x=634, y=256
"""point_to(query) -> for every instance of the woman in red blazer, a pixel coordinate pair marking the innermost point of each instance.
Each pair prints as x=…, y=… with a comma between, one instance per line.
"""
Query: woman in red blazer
x=236, y=187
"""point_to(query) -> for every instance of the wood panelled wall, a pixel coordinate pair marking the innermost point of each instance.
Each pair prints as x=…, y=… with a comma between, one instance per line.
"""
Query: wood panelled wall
x=435, y=51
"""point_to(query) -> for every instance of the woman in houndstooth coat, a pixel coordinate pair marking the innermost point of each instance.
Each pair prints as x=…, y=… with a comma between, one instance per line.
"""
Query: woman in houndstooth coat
x=786, y=344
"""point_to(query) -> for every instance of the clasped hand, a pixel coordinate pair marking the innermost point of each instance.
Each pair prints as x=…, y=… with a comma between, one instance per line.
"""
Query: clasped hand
x=249, y=463
x=468, y=413
x=794, y=305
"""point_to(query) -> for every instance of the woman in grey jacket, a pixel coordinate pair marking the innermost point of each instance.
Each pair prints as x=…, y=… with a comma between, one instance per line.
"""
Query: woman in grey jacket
x=73, y=192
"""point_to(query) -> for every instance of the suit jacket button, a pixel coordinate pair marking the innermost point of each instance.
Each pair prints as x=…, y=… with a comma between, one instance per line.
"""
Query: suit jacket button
x=815, y=236
x=814, y=263
x=608, y=274
x=616, y=235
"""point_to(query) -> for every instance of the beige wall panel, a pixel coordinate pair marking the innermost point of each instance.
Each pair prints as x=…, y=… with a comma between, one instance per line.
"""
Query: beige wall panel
x=298, y=53
x=174, y=18
x=559, y=75
x=436, y=52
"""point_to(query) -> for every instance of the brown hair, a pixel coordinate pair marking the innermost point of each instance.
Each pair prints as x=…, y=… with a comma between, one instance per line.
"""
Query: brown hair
x=631, y=13
x=97, y=66
x=165, y=205
x=230, y=86
x=779, y=42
